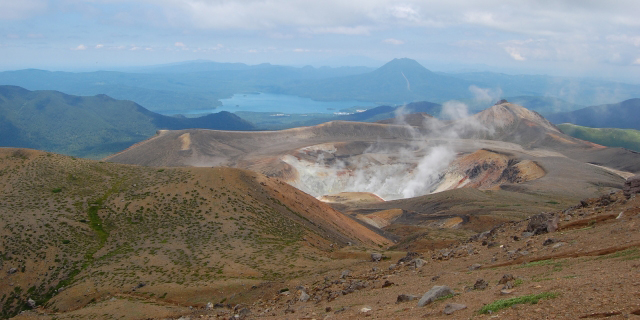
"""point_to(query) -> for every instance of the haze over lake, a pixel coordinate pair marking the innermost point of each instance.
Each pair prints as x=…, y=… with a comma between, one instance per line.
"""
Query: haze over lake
x=279, y=103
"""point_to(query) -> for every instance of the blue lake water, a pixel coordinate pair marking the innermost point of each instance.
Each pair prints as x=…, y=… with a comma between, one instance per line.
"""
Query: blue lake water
x=279, y=103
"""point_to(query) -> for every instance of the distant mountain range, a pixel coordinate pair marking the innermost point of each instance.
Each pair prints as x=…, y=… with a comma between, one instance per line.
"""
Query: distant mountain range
x=201, y=85
x=88, y=126
x=623, y=115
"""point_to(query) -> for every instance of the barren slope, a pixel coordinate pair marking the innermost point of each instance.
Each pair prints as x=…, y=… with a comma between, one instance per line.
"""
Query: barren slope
x=77, y=230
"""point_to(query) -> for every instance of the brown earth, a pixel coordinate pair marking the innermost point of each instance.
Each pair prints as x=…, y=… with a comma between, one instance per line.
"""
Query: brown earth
x=589, y=268
x=74, y=231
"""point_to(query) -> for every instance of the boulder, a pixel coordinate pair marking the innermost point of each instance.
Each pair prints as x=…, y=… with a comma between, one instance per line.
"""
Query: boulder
x=506, y=278
x=410, y=256
x=632, y=186
x=542, y=223
x=304, y=297
x=376, y=257
x=418, y=263
x=433, y=294
x=406, y=297
x=209, y=306
x=475, y=266
x=453, y=307
x=31, y=303
x=480, y=284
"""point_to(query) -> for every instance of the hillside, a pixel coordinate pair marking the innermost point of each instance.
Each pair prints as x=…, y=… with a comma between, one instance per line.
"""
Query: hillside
x=88, y=126
x=75, y=231
x=610, y=137
x=623, y=115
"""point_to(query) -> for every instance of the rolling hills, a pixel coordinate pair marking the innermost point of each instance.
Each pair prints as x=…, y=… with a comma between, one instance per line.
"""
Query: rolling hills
x=88, y=126
x=622, y=115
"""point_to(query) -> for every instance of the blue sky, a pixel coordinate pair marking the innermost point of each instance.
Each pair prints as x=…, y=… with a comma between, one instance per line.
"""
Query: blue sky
x=575, y=38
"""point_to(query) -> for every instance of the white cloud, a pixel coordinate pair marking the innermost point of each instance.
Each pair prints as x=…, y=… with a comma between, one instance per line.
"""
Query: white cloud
x=301, y=50
x=623, y=38
x=513, y=52
x=80, y=48
x=35, y=36
x=179, y=44
x=637, y=62
x=13, y=36
x=99, y=46
x=393, y=41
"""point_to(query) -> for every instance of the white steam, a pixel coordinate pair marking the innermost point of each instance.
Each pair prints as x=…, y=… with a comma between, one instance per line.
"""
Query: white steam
x=389, y=170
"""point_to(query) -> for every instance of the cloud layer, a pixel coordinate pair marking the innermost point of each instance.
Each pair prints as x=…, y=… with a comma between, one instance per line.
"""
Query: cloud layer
x=532, y=33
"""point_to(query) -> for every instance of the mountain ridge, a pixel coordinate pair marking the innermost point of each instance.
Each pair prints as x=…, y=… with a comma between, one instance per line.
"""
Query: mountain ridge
x=88, y=126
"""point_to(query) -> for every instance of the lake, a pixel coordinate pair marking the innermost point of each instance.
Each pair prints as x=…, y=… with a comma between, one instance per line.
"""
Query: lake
x=278, y=103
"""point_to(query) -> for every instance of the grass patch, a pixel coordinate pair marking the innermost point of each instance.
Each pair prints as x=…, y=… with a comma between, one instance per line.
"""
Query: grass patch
x=449, y=296
x=506, y=303
x=629, y=254
x=557, y=266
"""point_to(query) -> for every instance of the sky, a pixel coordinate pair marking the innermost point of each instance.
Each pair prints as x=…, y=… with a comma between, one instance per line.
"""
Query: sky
x=593, y=38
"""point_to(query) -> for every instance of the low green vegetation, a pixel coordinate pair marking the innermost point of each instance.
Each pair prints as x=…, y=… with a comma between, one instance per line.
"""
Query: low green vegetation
x=628, y=254
x=610, y=137
x=506, y=303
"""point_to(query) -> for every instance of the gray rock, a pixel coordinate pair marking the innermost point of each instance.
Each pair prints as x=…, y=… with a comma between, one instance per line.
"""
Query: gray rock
x=527, y=234
x=376, y=257
x=631, y=186
x=542, y=223
x=244, y=313
x=410, y=256
x=549, y=241
x=475, y=266
x=433, y=294
x=392, y=266
x=418, y=263
x=304, y=297
x=480, y=284
x=209, y=306
x=558, y=245
x=12, y=270
x=345, y=273
x=406, y=297
x=31, y=303
x=506, y=278
x=453, y=307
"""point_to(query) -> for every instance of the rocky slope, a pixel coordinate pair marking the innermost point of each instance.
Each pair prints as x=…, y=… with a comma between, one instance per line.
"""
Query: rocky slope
x=579, y=262
x=74, y=231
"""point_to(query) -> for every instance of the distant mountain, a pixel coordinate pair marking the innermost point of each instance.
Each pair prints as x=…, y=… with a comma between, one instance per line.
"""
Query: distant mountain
x=199, y=85
x=397, y=82
x=88, y=126
x=211, y=66
x=610, y=137
x=188, y=86
x=544, y=105
x=623, y=115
